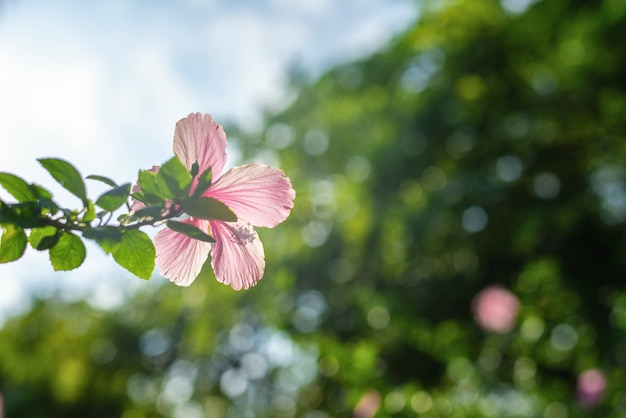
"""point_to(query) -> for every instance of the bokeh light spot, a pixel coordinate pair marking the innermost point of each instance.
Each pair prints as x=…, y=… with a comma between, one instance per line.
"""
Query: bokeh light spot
x=315, y=233
x=489, y=359
x=459, y=143
x=394, y=402
x=421, y=402
x=188, y=410
x=279, y=136
x=433, y=179
x=543, y=81
x=546, y=185
x=563, y=337
x=154, y=342
x=329, y=366
x=358, y=168
x=378, y=317
x=517, y=6
x=470, y=87
x=524, y=371
x=556, y=410
x=474, y=219
x=233, y=383
x=532, y=328
x=102, y=351
x=141, y=389
x=509, y=168
x=315, y=143
x=340, y=270
x=572, y=52
x=254, y=365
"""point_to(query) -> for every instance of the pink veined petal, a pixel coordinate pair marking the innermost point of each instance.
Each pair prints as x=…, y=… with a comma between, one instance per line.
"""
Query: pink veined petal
x=238, y=258
x=199, y=138
x=137, y=205
x=179, y=257
x=259, y=194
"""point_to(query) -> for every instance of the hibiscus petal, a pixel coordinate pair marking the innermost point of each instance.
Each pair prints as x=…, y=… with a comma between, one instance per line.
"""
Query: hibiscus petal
x=238, y=258
x=199, y=138
x=179, y=257
x=259, y=194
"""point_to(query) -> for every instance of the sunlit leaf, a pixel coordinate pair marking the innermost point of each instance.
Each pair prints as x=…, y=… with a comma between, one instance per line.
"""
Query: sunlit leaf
x=90, y=213
x=102, y=179
x=114, y=198
x=144, y=214
x=43, y=238
x=17, y=187
x=27, y=214
x=12, y=243
x=107, y=237
x=44, y=198
x=153, y=190
x=190, y=231
x=41, y=192
x=67, y=176
x=135, y=253
x=211, y=209
x=204, y=181
x=176, y=176
x=68, y=253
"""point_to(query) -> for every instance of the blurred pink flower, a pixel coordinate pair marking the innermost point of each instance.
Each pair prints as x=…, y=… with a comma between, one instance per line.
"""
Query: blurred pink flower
x=258, y=194
x=368, y=405
x=590, y=387
x=495, y=309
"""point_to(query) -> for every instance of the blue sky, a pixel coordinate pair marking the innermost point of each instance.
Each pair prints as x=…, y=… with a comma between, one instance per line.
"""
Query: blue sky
x=103, y=83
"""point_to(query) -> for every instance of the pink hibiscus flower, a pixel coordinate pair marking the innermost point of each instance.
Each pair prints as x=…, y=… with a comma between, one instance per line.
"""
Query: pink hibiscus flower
x=258, y=194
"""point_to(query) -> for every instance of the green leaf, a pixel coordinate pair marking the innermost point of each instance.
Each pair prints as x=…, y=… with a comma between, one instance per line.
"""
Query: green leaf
x=6, y=214
x=135, y=253
x=44, y=198
x=44, y=238
x=41, y=192
x=147, y=212
x=90, y=214
x=27, y=214
x=68, y=253
x=102, y=179
x=189, y=230
x=17, y=187
x=204, y=181
x=66, y=175
x=107, y=237
x=12, y=244
x=154, y=190
x=176, y=176
x=211, y=209
x=114, y=198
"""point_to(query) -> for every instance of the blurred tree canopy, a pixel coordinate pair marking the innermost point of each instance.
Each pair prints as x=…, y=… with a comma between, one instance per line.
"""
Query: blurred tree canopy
x=484, y=148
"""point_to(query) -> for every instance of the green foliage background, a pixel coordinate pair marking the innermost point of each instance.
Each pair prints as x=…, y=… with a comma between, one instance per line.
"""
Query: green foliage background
x=520, y=118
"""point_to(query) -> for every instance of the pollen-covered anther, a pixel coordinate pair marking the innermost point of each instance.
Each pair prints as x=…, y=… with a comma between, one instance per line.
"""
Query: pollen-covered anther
x=242, y=234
